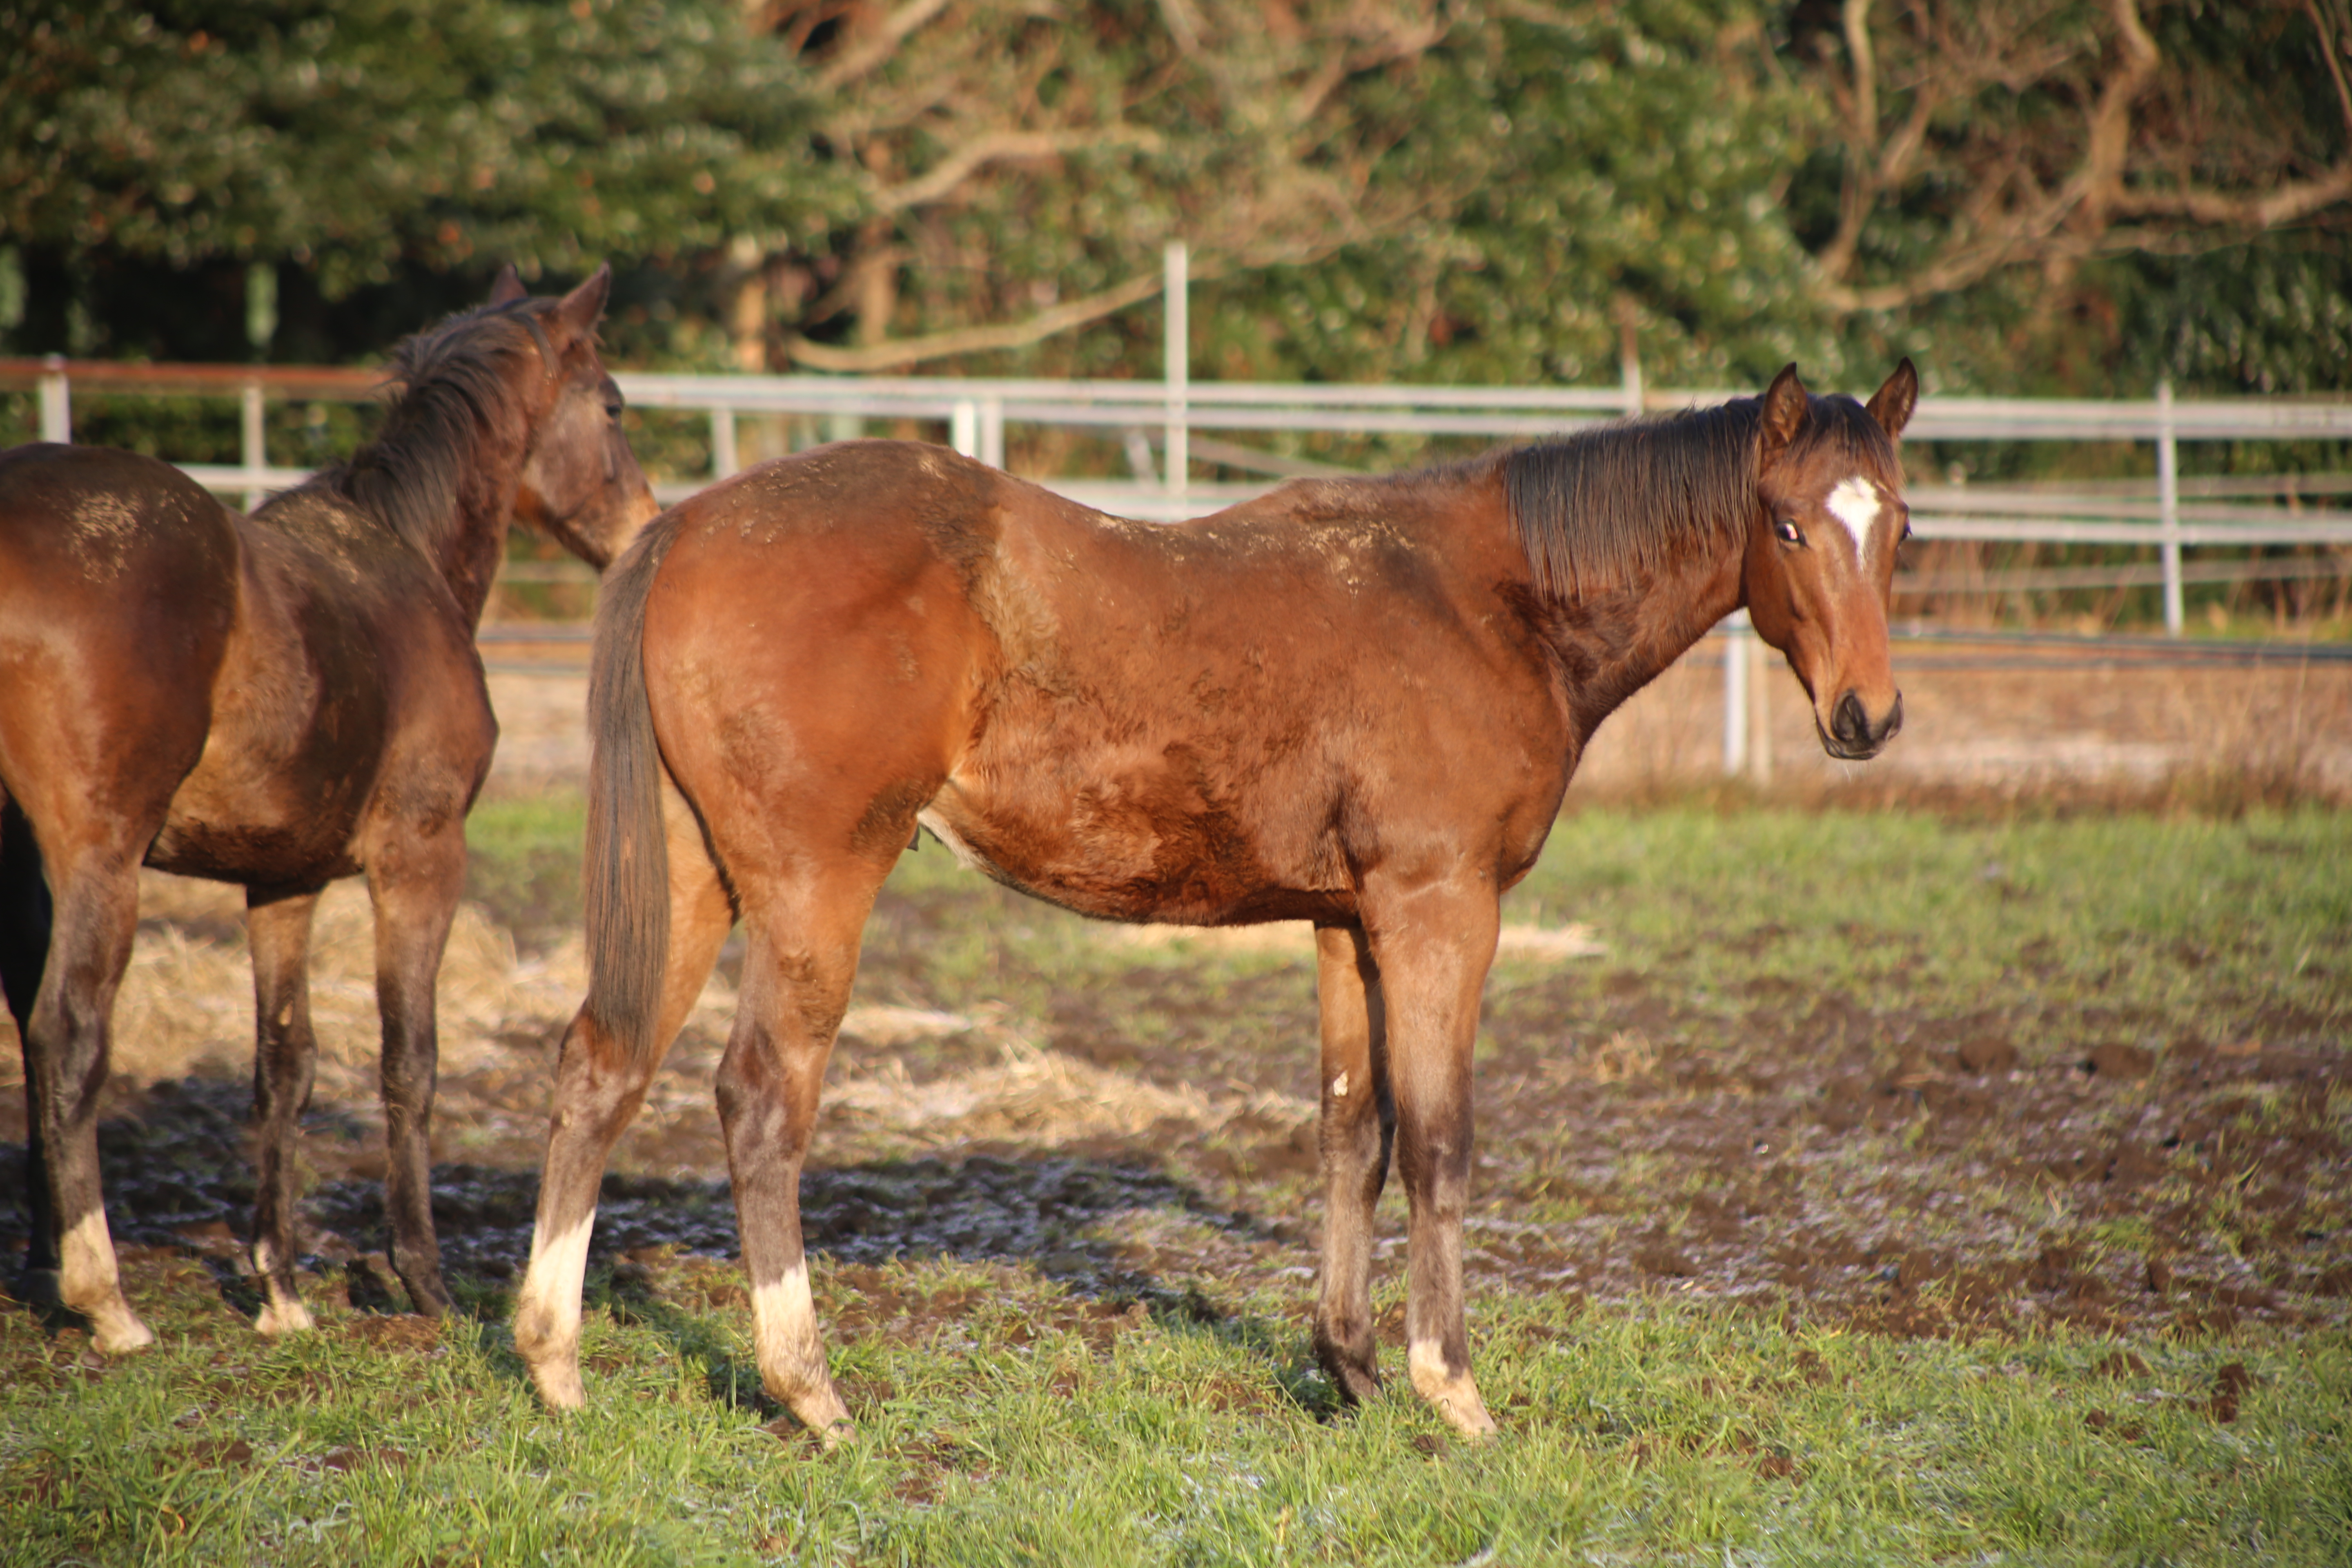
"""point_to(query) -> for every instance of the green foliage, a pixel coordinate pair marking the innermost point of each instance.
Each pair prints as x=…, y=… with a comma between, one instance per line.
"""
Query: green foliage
x=1372, y=189
x=355, y=139
x=1624, y=160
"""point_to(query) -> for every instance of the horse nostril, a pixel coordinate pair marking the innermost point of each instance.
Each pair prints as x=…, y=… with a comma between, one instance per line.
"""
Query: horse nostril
x=1848, y=722
x=1894, y=719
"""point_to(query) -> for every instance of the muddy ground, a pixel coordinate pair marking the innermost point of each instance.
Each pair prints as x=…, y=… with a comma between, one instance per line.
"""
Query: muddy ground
x=1149, y=1136
x=1833, y=1157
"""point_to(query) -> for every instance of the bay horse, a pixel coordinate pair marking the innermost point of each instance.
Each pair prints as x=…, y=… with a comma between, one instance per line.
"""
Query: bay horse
x=1356, y=702
x=275, y=700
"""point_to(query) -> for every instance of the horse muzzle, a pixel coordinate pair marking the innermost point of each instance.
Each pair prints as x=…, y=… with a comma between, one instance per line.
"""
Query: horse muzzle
x=1852, y=735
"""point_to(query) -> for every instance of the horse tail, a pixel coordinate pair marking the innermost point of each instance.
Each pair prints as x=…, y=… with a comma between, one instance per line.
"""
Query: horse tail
x=627, y=873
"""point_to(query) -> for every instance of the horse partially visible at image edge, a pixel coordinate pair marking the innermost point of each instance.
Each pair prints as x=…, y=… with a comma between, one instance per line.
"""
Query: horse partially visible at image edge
x=275, y=700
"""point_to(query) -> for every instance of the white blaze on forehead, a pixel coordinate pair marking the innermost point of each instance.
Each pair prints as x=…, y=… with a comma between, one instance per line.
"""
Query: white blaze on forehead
x=1855, y=504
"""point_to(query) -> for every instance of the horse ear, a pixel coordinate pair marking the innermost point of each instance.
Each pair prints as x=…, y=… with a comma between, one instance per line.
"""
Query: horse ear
x=1785, y=406
x=508, y=286
x=1891, y=405
x=581, y=309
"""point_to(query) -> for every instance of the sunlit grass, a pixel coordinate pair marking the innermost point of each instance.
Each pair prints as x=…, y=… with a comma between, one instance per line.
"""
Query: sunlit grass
x=1004, y=1419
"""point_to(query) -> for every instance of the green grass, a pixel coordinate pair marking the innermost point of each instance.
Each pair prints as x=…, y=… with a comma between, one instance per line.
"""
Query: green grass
x=1006, y=1418
x=1662, y=1433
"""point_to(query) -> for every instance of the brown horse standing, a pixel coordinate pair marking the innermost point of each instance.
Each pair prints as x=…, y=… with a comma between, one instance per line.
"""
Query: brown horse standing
x=275, y=700
x=1354, y=702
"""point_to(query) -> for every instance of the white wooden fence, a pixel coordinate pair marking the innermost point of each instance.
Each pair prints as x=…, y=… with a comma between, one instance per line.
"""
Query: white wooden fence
x=1194, y=420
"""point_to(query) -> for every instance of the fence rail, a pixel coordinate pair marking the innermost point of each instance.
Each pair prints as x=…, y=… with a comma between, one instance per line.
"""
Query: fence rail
x=1161, y=420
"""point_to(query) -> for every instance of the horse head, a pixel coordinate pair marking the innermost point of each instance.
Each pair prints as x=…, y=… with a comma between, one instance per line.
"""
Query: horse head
x=581, y=483
x=1819, y=560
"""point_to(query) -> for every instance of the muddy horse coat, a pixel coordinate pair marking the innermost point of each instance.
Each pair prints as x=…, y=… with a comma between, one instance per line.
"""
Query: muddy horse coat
x=275, y=700
x=1354, y=702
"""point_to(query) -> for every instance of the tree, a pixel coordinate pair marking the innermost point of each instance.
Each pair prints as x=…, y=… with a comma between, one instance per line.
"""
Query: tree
x=1368, y=188
x=2158, y=187
x=358, y=139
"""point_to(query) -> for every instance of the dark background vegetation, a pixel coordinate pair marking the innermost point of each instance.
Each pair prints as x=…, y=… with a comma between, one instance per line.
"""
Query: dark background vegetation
x=2071, y=196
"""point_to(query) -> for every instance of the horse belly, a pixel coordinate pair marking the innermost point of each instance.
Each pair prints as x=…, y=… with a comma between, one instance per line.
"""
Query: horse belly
x=1143, y=844
x=300, y=735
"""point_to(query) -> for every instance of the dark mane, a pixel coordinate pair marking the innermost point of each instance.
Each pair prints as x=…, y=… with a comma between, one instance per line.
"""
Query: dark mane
x=452, y=386
x=1591, y=507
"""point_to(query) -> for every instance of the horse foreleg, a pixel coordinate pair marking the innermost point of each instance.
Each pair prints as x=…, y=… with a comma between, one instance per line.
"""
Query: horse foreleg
x=414, y=877
x=797, y=973
x=286, y=1054
x=1437, y=944
x=1359, y=1126
x=598, y=1088
x=66, y=1045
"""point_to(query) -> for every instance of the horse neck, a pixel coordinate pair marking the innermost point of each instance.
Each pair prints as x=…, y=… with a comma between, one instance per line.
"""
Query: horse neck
x=1616, y=640
x=446, y=487
x=468, y=561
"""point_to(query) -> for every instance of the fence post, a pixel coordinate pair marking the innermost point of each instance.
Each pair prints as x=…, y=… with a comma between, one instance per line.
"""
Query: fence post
x=252, y=443
x=722, y=443
x=1759, y=709
x=2167, y=506
x=57, y=403
x=963, y=427
x=991, y=431
x=1177, y=366
x=1735, y=692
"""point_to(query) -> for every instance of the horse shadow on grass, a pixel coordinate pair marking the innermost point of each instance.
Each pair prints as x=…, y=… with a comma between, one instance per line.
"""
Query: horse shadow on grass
x=178, y=1178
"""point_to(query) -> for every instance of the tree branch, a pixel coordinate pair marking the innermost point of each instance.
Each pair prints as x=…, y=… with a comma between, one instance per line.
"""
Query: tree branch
x=995, y=145
x=981, y=340
x=1859, y=193
x=2099, y=180
x=870, y=53
x=2327, y=48
x=2280, y=204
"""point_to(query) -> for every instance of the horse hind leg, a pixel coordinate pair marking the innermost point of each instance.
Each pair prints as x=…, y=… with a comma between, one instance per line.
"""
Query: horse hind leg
x=94, y=904
x=24, y=919
x=599, y=1085
x=801, y=961
x=1357, y=1129
x=278, y=927
x=414, y=877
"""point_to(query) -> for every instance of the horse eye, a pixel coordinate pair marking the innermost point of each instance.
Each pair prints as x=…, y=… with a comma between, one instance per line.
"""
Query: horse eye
x=1786, y=533
x=613, y=411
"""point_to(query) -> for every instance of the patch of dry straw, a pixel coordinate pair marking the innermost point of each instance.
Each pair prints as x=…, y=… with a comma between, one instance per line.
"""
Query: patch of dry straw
x=187, y=1005
x=1296, y=938
x=1029, y=1095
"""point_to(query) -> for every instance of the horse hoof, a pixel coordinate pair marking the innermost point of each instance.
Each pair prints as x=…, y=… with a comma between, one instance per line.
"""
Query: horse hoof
x=823, y=1413
x=1474, y=1424
x=559, y=1385
x=430, y=1297
x=1354, y=1370
x=1453, y=1394
x=118, y=1332
x=284, y=1318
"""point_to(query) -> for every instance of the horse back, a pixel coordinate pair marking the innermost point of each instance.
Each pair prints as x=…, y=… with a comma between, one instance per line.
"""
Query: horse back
x=1208, y=722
